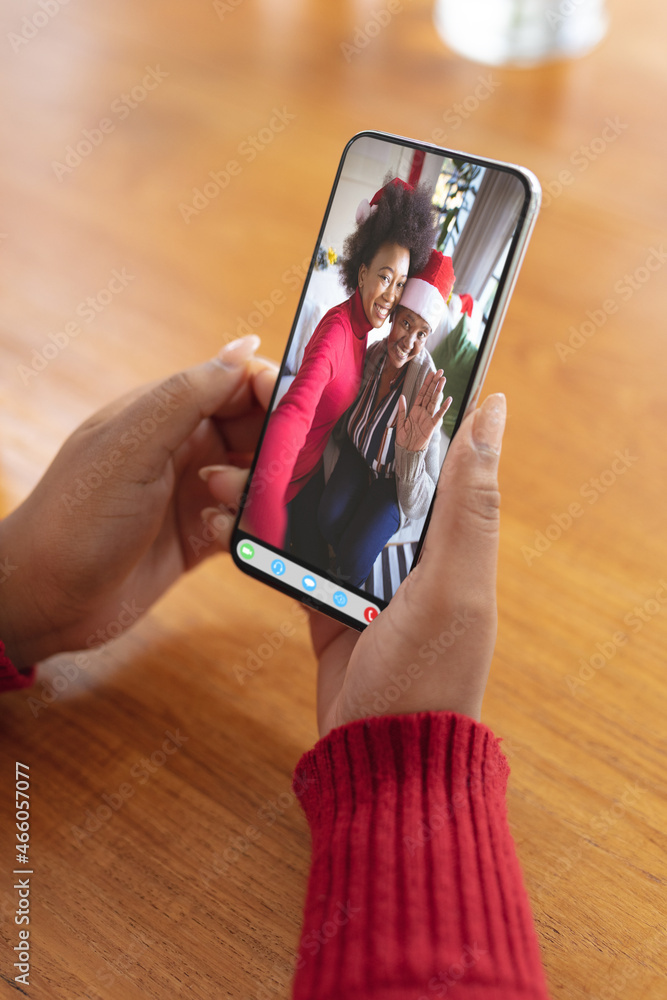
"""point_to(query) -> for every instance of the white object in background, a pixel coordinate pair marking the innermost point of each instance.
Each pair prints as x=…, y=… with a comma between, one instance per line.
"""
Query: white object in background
x=520, y=32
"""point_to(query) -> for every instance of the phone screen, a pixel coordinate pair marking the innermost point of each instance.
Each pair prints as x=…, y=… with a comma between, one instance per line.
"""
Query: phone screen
x=340, y=491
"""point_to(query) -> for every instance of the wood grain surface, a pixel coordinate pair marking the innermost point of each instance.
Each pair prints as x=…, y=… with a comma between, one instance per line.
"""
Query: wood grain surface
x=193, y=884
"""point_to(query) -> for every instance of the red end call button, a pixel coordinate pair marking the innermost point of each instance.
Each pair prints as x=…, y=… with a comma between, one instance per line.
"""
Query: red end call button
x=371, y=613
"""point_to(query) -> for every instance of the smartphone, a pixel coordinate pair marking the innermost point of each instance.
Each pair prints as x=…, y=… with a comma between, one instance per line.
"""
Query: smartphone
x=412, y=272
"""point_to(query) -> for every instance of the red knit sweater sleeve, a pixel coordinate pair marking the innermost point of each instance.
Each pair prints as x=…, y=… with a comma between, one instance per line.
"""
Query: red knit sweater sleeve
x=10, y=678
x=415, y=890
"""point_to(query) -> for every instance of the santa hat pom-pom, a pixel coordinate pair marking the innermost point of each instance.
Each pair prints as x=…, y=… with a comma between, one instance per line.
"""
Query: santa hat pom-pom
x=363, y=211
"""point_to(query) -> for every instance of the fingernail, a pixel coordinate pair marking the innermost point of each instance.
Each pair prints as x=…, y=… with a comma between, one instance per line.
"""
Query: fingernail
x=212, y=517
x=237, y=351
x=489, y=423
x=208, y=470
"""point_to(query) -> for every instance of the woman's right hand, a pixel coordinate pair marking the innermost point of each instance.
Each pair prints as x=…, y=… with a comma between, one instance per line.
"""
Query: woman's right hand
x=431, y=648
x=415, y=429
x=117, y=516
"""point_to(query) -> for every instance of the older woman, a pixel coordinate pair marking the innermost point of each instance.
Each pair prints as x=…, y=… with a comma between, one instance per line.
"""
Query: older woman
x=390, y=454
x=392, y=240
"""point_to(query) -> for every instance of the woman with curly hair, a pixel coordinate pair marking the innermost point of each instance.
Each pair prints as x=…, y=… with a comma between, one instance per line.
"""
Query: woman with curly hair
x=393, y=240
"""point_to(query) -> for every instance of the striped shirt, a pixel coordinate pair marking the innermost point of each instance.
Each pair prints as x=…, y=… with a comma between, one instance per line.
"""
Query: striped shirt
x=371, y=422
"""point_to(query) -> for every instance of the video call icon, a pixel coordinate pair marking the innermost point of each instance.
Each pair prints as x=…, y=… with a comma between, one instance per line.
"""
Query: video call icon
x=271, y=564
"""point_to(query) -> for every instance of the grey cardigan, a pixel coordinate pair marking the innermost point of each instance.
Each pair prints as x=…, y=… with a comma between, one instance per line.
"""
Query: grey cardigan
x=416, y=471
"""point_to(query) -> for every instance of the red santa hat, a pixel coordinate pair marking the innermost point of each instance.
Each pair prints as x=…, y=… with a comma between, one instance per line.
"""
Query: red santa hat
x=366, y=207
x=426, y=293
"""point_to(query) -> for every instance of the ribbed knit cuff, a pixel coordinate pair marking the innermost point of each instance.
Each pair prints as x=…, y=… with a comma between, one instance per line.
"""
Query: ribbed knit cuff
x=10, y=678
x=415, y=890
x=409, y=464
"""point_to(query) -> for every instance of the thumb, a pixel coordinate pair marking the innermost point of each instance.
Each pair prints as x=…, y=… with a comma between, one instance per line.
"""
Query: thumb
x=463, y=531
x=158, y=421
x=402, y=410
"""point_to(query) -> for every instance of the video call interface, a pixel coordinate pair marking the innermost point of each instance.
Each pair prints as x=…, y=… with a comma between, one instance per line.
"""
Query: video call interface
x=359, y=426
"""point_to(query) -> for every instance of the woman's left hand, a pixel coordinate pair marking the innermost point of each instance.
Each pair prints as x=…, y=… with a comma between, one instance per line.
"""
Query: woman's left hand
x=415, y=429
x=117, y=517
x=430, y=650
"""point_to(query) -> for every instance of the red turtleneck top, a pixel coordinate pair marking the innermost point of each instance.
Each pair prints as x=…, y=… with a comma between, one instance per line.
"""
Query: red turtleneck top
x=297, y=432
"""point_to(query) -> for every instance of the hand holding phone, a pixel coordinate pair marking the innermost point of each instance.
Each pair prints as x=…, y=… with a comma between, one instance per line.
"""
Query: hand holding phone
x=431, y=649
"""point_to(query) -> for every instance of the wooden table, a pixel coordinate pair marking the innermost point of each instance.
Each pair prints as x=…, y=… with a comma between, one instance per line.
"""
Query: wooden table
x=193, y=886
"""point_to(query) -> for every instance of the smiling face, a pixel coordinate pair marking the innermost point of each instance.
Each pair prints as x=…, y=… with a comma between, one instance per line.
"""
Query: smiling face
x=381, y=283
x=407, y=337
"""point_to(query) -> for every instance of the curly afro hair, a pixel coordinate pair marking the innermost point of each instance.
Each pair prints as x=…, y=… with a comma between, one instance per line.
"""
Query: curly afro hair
x=403, y=217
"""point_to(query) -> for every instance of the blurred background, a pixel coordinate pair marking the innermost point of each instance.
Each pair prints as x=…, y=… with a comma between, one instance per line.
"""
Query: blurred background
x=164, y=169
